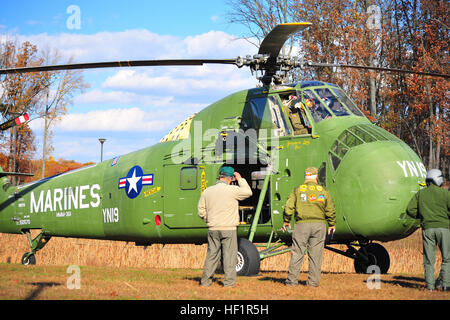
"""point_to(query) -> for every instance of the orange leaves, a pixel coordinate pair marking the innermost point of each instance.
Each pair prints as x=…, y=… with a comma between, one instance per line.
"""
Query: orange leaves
x=54, y=167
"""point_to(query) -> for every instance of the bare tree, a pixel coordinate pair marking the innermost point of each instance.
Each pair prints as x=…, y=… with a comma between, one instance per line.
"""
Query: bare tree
x=41, y=94
x=20, y=93
x=62, y=86
x=260, y=17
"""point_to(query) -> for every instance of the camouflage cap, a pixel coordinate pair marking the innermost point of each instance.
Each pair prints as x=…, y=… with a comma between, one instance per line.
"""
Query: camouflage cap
x=311, y=171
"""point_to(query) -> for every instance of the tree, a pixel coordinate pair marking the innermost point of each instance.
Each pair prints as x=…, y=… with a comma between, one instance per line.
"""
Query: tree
x=417, y=107
x=260, y=17
x=20, y=93
x=60, y=89
x=54, y=167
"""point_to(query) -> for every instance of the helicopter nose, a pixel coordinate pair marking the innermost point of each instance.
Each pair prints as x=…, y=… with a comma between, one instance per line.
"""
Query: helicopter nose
x=373, y=185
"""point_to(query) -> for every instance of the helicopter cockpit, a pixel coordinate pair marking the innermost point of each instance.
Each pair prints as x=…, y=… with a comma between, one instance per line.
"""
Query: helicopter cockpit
x=321, y=103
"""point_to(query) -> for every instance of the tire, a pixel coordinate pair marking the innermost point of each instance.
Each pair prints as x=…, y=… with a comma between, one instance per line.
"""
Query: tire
x=377, y=255
x=28, y=259
x=248, y=260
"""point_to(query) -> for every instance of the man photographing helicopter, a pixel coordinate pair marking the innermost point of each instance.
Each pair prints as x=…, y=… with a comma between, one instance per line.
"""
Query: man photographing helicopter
x=313, y=206
x=432, y=206
x=219, y=208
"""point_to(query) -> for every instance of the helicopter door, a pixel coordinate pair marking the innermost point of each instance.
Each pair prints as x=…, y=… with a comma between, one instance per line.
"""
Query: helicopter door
x=181, y=197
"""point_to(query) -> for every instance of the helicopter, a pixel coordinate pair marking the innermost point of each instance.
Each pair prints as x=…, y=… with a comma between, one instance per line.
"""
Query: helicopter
x=269, y=134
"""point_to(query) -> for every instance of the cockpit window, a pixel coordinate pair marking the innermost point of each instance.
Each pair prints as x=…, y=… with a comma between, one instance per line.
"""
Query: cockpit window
x=317, y=109
x=347, y=101
x=266, y=113
x=331, y=101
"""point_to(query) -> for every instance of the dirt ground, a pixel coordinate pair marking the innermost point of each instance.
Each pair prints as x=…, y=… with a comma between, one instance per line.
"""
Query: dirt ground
x=106, y=283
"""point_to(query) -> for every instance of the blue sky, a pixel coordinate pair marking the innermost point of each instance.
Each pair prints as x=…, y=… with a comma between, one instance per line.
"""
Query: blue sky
x=132, y=108
x=174, y=17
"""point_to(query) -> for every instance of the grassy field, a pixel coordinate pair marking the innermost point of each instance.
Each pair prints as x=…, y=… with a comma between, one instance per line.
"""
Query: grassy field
x=120, y=270
x=105, y=283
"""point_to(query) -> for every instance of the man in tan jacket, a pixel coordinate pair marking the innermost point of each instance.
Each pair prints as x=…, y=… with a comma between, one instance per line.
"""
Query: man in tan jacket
x=219, y=208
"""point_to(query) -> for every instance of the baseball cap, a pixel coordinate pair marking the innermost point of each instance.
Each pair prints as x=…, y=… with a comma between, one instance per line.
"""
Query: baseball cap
x=227, y=171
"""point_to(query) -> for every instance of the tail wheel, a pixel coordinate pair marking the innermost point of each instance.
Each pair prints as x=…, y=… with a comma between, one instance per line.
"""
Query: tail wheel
x=248, y=260
x=372, y=254
x=28, y=259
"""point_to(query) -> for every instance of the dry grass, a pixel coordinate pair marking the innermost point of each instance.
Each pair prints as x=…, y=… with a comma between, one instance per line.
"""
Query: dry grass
x=106, y=283
x=406, y=255
x=120, y=270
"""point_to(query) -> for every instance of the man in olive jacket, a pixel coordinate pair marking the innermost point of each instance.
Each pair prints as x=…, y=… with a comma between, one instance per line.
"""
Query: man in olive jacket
x=313, y=206
x=432, y=206
x=219, y=208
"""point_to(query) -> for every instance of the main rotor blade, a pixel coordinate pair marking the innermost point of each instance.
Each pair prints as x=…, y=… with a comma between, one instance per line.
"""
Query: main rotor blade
x=115, y=64
x=432, y=74
x=272, y=44
x=276, y=38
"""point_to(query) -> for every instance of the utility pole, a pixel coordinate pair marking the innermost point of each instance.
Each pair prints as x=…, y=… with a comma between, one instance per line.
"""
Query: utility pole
x=102, y=141
x=44, y=143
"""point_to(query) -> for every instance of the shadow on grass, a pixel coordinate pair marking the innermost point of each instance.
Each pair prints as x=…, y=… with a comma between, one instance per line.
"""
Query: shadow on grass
x=198, y=280
x=273, y=275
x=40, y=286
x=280, y=280
x=405, y=282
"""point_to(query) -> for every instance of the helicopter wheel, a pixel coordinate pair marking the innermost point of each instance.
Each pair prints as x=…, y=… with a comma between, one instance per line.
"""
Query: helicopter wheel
x=375, y=254
x=28, y=259
x=248, y=260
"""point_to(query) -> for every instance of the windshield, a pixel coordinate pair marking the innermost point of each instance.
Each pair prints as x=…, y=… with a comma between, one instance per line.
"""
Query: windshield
x=321, y=101
x=347, y=101
x=317, y=109
x=331, y=101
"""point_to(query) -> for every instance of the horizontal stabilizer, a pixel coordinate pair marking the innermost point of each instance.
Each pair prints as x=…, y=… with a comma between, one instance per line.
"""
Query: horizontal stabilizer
x=13, y=122
x=4, y=174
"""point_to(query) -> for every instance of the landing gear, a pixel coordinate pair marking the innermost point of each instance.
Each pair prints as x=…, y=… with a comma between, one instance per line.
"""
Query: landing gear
x=36, y=244
x=248, y=260
x=372, y=254
x=369, y=255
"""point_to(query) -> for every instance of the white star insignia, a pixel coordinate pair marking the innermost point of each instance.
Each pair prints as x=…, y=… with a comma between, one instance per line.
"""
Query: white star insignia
x=133, y=182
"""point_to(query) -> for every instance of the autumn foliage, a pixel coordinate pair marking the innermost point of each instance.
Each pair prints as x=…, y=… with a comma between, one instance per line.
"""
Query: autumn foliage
x=52, y=167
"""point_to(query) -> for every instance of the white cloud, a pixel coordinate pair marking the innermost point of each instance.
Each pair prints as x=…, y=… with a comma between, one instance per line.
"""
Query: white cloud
x=85, y=149
x=136, y=85
x=144, y=100
x=141, y=44
x=131, y=119
x=219, y=79
x=97, y=96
